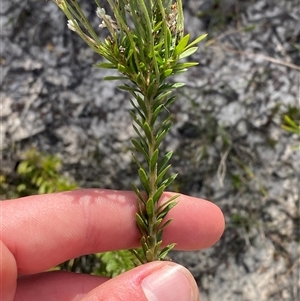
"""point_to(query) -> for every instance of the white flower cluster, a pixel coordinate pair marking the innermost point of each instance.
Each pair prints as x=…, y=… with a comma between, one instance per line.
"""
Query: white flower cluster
x=107, y=19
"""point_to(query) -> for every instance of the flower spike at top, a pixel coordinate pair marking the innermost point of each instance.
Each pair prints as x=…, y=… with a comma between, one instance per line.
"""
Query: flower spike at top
x=146, y=43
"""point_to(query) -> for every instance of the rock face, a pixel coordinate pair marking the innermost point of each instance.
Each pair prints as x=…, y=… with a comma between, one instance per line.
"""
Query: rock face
x=227, y=137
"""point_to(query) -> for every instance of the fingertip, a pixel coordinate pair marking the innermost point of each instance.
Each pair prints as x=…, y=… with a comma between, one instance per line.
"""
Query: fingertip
x=198, y=224
x=155, y=281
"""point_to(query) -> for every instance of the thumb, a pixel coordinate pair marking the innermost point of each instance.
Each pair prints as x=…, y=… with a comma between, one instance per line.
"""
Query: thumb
x=155, y=281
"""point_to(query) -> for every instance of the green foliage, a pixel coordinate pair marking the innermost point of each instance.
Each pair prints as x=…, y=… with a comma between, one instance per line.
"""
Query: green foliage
x=5, y=188
x=290, y=125
x=36, y=173
x=39, y=173
x=291, y=122
x=145, y=43
x=116, y=262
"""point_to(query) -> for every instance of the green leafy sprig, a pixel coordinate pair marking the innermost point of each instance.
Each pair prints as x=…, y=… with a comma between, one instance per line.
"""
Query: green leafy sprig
x=146, y=43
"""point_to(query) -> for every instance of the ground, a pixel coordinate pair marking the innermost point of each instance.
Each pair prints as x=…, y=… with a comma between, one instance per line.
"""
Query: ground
x=229, y=145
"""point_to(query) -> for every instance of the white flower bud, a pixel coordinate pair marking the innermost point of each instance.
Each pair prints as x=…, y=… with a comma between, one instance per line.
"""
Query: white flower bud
x=72, y=25
x=100, y=12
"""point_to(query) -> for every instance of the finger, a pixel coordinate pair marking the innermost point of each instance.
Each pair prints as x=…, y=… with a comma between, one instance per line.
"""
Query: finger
x=42, y=231
x=58, y=286
x=159, y=281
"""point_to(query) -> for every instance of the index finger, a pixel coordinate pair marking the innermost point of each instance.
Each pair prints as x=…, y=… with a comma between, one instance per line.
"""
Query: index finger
x=44, y=230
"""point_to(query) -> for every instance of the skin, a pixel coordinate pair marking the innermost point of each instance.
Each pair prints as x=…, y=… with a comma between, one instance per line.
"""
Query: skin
x=39, y=232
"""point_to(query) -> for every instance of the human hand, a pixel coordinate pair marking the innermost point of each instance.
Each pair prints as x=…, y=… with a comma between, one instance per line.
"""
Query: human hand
x=39, y=232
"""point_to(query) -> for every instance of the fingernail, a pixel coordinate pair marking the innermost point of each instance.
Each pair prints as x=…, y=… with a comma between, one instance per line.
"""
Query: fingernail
x=170, y=283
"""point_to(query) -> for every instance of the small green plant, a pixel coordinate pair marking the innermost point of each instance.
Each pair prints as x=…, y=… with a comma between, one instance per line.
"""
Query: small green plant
x=39, y=173
x=36, y=173
x=114, y=263
x=291, y=123
x=146, y=44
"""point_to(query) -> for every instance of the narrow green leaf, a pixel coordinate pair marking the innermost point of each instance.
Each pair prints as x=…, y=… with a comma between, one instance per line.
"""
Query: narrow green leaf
x=141, y=210
x=180, y=71
x=138, y=193
x=165, y=251
x=149, y=256
x=126, y=87
x=160, y=99
x=170, y=200
x=158, y=58
x=164, y=161
x=166, y=210
x=167, y=73
x=144, y=180
x=106, y=65
x=181, y=45
x=148, y=132
x=158, y=46
x=151, y=90
x=116, y=50
x=137, y=255
x=131, y=63
x=170, y=180
x=140, y=148
x=169, y=101
x=144, y=245
x=155, y=114
x=186, y=65
x=157, y=247
x=168, y=87
x=153, y=161
x=157, y=27
x=289, y=121
x=198, y=40
x=135, y=119
x=161, y=135
x=141, y=103
x=122, y=69
x=138, y=110
x=178, y=85
x=130, y=53
x=141, y=223
x=166, y=224
x=136, y=160
x=168, y=41
x=164, y=87
x=166, y=122
x=188, y=52
x=156, y=224
x=291, y=129
x=161, y=175
x=150, y=207
x=158, y=193
x=115, y=78
x=139, y=134
x=159, y=235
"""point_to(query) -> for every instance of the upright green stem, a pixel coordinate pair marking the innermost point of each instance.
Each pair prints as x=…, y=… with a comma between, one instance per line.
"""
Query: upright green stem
x=145, y=44
x=153, y=186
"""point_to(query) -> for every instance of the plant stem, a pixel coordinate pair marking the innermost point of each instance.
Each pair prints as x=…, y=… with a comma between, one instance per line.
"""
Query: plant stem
x=153, y=186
